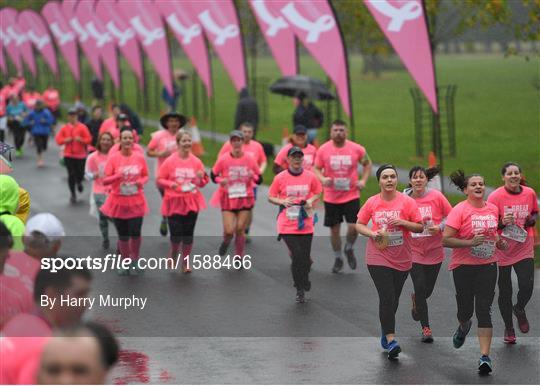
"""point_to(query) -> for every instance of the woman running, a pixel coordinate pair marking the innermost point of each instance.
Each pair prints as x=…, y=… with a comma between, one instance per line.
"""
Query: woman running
x=299, y=138
x=40, y=121
x=126, y=172
x=95, y=171
x=295, y=190
x=236, y=173
x=518, y=212
x=394, y=216
x=471, y=230
x=181, y=176
x=427, y=250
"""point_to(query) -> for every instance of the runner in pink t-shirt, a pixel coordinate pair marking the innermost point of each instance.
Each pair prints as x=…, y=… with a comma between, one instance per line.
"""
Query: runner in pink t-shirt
x=471, y=230
x=127, y=173
x=236, y=173
x=162, y=145
x=427, y=250
x=518, y=212
x=95, y=171
x=181, y=176
x=336, y=165
x=299, y=138
x=295, y=190
x=394, y=216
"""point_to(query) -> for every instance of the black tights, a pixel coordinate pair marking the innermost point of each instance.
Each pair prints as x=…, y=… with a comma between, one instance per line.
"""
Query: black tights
x=300, y=249
x=424, y=278
x=182, y=227
x=75, y=169
x=525, y=274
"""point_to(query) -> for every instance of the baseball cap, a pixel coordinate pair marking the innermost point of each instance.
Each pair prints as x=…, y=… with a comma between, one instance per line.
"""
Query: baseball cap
x=72, y=111
x=294, y=150
x=47, y=224
x=236, y=134
x=122, y=117
x=299, y=129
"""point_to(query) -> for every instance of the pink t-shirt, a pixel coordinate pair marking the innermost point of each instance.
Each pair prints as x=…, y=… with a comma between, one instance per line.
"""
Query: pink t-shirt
x=398, y=253
x=340, y=164
x=468, y=221
x=310, y=152
x=521, y=205
x=23, y=339
x=132, y=167
x=95, y=164
x=300, y=188
x=109, y=125
x=162, y=140
x=252, y=149
x=428, y=249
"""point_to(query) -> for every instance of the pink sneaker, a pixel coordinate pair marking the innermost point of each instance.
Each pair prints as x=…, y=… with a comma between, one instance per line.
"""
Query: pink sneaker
x=509, y=336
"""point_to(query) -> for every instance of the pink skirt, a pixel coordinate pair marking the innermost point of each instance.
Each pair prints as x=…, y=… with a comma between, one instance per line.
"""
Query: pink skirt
x=220, y=199
x=181, y=205
x=125, y=207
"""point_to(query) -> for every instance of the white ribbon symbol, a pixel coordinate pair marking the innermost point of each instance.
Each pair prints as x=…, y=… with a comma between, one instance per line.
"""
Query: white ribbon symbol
x=313, y=28
x=187, y=33
x=149, y=36
x=17, y=37
x=274, y=23
x=222, y=34
x=83, y=35
x=5, y=38
x=122, y=36
x=100, y=38
x=61, y=36
x=39, y=41
x=410, y=11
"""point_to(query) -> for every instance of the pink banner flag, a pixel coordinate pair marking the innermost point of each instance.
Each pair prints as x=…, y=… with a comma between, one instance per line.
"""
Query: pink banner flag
x=22, y=42
x=36, y=30
x=220, y=23
x=314, y=24
x=9, y=37
x=123, y=33
x=278, y=34
x=145, y=19
x=100, y=38
x=3, y=65
x=64, y=36
x=188, y=32
x=73, y=16
x=404, y=24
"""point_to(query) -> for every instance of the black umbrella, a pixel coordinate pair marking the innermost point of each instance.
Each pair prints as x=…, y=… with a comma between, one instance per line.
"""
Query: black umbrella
x=296, y=84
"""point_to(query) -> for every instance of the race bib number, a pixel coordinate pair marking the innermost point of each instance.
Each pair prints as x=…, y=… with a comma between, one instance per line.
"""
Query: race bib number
x=341, y=183
x=237, y=190
x=514, y=232
x=293, y=212
x=395, y=239
x=484, y=250
x=425, y=233
x=128, y=189
x=188, y=187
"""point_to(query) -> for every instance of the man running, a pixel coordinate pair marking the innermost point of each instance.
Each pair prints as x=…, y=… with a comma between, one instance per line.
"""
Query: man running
x=336, y=167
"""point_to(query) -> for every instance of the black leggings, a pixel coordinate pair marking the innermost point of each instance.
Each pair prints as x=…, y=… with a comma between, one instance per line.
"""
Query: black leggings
x=75, y=169
x=300, y=248
x=182, y=227
x=525, y=274
x=424, y=278
x=41, y=143
x=389, y=283
x=475, y=288
x=128, y=227
x=19, y=132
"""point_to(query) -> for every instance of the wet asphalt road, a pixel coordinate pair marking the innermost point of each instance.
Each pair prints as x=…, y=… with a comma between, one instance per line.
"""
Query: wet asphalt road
x=227, y=326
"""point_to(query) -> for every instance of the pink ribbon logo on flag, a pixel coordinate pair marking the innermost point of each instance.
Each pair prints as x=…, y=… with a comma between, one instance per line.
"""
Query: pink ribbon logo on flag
x=184, y=24
x=219, y=20
x=146, y=21
x=122, y=32
x=12, y=39
x=323, y=23
x=278, y=34
x=37, y=32
x=405, y=27
x=3, y=65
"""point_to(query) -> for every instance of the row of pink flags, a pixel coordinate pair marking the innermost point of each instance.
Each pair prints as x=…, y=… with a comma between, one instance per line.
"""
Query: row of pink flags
x=101, y=28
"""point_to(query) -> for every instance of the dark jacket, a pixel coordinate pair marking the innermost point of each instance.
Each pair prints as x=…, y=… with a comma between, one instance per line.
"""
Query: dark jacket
x=310, y=117
x=246, y=110
x=94, y=125
x=40, y=122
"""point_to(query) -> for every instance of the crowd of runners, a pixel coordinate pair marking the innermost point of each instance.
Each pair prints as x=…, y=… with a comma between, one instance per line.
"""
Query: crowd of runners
x=406, y=231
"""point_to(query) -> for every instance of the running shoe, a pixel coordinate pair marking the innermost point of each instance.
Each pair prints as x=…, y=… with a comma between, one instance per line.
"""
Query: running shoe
x=163, y=227
x=106, y=244
x=460, y=334
x=134, y=268
x=122, y=271
x=393, y=349
x=185, y=269
x=73, y=199
x=80, y=187
x=509, y=336
x=523, y=322
x=307, y=286
x=223, y=248
x=484, y=365
x=19, y=153
x=351, y=259
x=300, y=296
x=338, y=265
x=384, y=342
x=427, y=336
x=414, y=313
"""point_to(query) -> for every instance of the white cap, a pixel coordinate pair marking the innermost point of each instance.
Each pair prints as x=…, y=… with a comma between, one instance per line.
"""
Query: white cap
x=47, y=224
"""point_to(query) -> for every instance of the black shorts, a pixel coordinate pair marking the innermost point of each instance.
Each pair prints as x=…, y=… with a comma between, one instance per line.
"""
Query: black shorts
x=334, y=213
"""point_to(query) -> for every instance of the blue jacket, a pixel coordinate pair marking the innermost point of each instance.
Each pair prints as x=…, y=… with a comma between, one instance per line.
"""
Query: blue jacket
x=40, y=122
